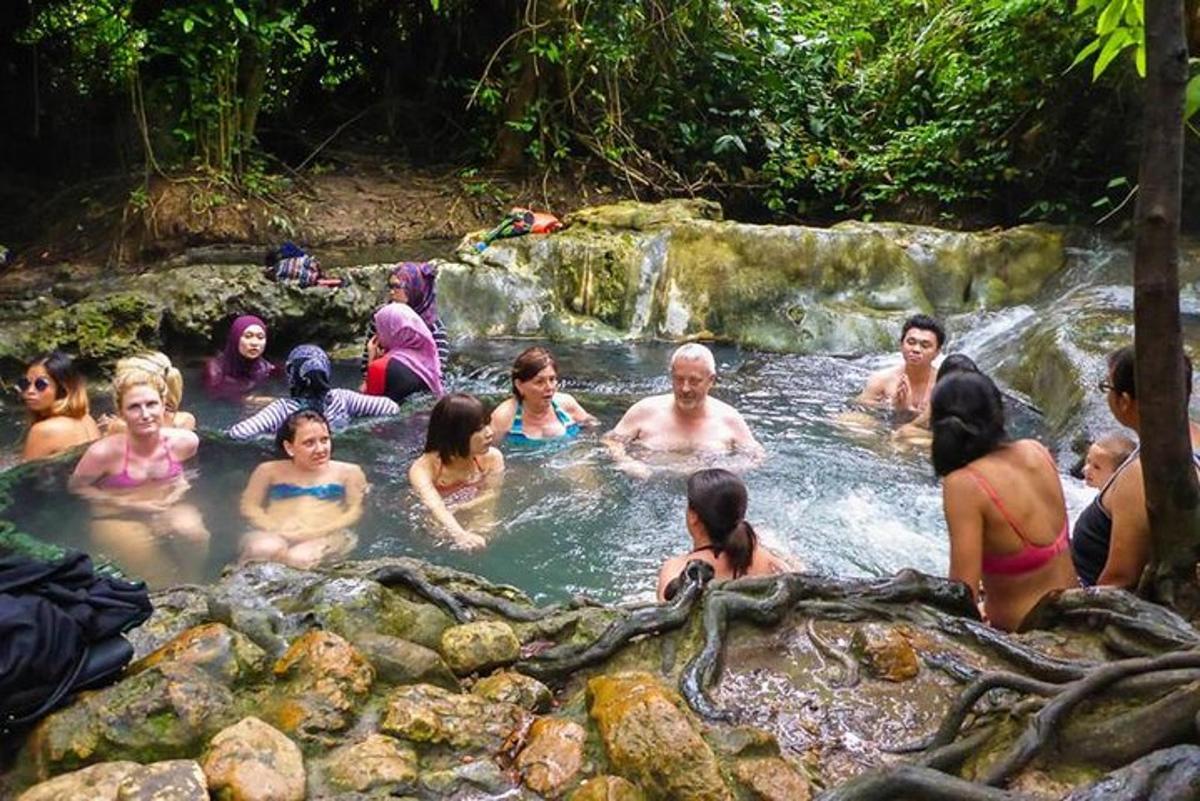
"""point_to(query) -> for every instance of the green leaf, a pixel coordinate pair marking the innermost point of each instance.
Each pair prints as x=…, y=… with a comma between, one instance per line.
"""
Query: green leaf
x=1091, y=47
x=241, y=17
x=1110, y=16
x=1139, y=59
x=1117, y=42
x=1192, y=95
x=1118, y=181
x=188, y=24
x=435, y=4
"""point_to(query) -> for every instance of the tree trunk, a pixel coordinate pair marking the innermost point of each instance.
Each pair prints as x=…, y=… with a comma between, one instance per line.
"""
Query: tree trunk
x=547, y=18
x=1172, y=490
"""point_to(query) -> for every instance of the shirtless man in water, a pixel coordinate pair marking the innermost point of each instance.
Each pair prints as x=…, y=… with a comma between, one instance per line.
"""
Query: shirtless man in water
x=908, y=387
x=685, y=421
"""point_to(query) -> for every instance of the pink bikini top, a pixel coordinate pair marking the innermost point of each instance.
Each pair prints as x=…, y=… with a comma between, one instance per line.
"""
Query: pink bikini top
x=123, y=480
x=1031, y=556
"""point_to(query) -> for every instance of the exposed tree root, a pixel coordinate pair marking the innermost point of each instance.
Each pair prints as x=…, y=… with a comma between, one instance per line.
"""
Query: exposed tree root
x=847, y=663
x=415, y=580
x=912, y=781
x=1045, y=723
x=1095, y=608
x=563, y=660
x=1171, y=774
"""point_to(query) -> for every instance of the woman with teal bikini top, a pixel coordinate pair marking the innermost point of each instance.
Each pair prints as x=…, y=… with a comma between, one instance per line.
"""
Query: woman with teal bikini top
x=302, y=508
x=537, y=412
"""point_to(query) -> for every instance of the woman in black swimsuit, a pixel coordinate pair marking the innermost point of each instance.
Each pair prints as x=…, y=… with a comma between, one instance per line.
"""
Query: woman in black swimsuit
x=721, y=535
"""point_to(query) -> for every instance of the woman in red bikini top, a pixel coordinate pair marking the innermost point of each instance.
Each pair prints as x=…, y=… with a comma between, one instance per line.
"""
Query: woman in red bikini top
x=459, y=465
x=1003, y=502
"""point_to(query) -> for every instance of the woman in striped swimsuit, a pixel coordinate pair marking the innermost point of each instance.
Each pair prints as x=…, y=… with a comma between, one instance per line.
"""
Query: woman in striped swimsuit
x=309, y=376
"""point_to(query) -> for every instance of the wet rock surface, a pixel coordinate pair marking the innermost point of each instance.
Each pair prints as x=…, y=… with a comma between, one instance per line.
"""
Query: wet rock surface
x=377, y=763
x=174, y=780
x=286, y=708
x=423, y=713
x=553, y=755
x=886, y=652
x=473, y=647
x=94, y=783
x=251, y=761
x=650, y=740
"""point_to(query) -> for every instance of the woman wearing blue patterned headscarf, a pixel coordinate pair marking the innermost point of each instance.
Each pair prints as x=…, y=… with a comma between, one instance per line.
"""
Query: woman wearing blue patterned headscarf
x=310, y=378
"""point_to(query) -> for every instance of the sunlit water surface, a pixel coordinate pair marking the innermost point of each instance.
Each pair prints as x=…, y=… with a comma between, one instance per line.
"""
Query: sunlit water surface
x=841, y=501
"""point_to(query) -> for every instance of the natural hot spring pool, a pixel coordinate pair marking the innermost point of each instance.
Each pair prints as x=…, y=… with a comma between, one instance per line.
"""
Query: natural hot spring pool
x=568, y=521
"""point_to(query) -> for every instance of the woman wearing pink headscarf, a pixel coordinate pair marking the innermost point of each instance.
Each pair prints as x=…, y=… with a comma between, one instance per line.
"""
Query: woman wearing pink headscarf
x=415, y=283
x=403, y=356
x=241, y=367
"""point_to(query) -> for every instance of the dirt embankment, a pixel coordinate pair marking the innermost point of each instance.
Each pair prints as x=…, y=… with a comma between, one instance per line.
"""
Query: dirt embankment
x=123, y=225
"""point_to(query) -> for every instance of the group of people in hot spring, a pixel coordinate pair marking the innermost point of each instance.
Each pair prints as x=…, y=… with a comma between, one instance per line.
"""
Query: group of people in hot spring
x=1003, y=499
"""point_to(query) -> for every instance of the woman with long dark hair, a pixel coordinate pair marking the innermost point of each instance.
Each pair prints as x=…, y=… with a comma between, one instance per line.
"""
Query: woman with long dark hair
x=721, y=535
x=1003, y=502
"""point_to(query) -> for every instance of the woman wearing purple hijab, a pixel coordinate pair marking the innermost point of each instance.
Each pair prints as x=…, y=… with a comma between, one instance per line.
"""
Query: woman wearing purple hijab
x=415, y=284
x=241, y=367
x=404, y=358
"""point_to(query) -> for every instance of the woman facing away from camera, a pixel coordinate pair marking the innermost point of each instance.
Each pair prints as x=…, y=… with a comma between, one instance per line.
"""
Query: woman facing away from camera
x=1003, y=502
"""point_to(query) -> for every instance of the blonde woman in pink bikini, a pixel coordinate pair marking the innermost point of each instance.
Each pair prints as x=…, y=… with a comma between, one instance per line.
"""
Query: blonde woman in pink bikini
x=134, y=480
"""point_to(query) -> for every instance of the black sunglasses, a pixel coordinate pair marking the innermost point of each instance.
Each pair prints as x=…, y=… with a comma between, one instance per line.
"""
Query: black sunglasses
x=41, y=384
x=1105, y=386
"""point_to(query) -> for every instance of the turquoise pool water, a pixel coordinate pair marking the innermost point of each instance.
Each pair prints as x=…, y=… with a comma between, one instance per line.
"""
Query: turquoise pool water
x=842, y=502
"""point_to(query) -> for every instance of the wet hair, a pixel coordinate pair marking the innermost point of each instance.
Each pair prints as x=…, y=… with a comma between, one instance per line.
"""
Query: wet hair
x=925, y=323
x=956, y=363
x=719, y=499
x=1118, y=446
x=287, y=431
x=131, y=377
x=70, y=394
x=152, y=361
x=967, y=420
x=453, y=420
x=531, y=362
x=1121, y=366
x=694, y=351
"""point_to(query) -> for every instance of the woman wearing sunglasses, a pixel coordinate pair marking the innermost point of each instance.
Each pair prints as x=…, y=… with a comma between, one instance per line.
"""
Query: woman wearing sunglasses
x=55, y=393
x=415, y=285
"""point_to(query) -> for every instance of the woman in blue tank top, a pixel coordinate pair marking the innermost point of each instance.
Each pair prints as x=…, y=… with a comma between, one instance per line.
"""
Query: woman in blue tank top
x=303, y=507
x=537, y=412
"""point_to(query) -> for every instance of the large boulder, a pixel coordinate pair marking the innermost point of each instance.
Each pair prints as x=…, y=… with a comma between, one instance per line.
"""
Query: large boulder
x=377, y=764
x=93, y=783
x=514, y=688
x=226, y=655
x=423, y=713
x=651, y=740
x=398, y=661
x=164, y=712
x=173, y=780
x=251, y=761
x=321, y=679
x=478, y=646
x=553, y=756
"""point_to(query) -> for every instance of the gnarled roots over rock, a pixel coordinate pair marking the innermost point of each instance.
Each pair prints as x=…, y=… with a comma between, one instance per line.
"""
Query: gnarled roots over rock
x=1149, y=697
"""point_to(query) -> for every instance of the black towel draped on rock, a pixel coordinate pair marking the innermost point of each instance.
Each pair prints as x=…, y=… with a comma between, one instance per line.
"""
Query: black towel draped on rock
x=60, y=632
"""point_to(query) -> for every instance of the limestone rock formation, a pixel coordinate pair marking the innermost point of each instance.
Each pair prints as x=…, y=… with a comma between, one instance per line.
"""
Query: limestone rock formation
x=553, y=756
x=173, y=780
x=422, y=713
x=477, y=646
x=93, y=783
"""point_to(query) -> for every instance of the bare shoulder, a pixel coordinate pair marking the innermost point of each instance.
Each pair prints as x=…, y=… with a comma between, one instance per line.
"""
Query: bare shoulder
x=423, y=466
x=181, y=441
x=350, y=471
x=493, y=460
x=504, y=412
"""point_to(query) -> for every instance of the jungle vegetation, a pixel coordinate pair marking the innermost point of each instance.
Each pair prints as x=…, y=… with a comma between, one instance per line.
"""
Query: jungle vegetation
x=942, y=110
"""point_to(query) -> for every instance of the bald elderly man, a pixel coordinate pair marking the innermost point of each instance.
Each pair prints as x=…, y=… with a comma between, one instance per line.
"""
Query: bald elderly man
x=686, y=420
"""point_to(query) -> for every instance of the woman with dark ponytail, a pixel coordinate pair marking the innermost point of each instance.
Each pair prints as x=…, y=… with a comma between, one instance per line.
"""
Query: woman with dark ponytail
x=721, y=535
x=1003, y=502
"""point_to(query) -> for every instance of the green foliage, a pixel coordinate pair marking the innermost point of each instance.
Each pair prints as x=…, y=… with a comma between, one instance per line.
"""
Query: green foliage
x=208, y=64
